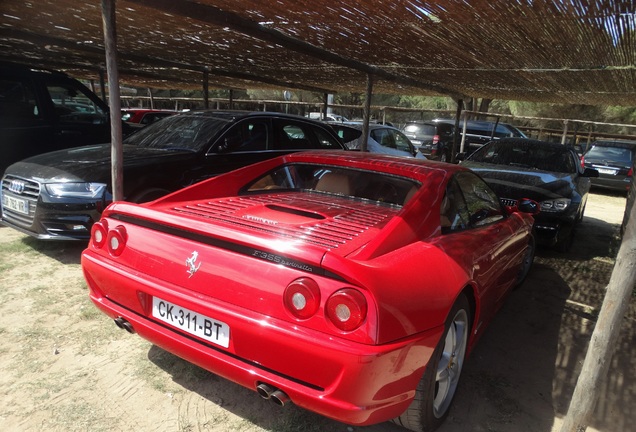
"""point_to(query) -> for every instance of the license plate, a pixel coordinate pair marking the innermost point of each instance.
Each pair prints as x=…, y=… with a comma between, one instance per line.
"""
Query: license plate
x=606, y=171
x=15, y=204
x=191, y=322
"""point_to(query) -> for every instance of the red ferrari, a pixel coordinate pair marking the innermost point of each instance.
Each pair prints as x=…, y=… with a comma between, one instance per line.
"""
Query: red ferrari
x=351, y=284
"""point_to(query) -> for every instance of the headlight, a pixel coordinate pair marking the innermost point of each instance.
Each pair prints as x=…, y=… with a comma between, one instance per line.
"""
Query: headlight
x=555, y=205
x=76, y=190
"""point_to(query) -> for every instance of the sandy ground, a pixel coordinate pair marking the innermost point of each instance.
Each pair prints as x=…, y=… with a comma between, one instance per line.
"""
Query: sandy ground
x=66, y=367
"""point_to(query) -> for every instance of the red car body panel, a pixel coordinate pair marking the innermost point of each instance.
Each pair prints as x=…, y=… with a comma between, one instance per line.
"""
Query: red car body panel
x=249, y=248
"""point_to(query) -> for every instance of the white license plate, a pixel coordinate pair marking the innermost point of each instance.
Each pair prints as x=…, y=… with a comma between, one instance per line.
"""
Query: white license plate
x=606, y=171
x=191, y=322
x=15, y=204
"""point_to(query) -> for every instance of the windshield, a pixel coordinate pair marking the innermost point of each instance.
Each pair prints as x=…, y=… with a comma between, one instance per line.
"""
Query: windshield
x=526, y=154
x=179, y=132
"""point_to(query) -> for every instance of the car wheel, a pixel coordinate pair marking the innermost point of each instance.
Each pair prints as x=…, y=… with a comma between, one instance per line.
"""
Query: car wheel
x=579, y=216
x=436, y=389
x=148, y=195
x=528, y=259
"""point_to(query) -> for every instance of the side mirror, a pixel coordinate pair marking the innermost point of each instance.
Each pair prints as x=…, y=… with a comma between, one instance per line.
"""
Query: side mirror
x=527, y=205
x=590, y=172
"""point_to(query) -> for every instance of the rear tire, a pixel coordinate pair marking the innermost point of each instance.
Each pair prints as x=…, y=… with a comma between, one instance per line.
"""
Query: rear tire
x=436, y=390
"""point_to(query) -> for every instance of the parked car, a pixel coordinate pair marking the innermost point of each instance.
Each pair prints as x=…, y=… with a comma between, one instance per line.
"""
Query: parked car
x=144, y=116
x=327, y=117
x=59, y=195
x=383, y=139
x=43, y=110
x=380, y=278
x=434, y=138
x=614, y=161
x=549, y=173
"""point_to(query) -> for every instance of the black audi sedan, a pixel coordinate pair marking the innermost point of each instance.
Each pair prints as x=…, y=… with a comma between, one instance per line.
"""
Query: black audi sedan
x=548, y=173
x=58, y=195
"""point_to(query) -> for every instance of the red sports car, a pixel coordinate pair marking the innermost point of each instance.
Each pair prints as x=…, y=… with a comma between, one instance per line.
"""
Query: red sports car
x=351, y=284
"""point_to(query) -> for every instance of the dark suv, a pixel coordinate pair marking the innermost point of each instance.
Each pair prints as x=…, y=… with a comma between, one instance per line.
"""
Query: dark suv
x=435, y=137
x=42, y=110
x=614, y=161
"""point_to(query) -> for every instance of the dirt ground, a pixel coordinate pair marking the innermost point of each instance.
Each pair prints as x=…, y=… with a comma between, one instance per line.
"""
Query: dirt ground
x=67, y=367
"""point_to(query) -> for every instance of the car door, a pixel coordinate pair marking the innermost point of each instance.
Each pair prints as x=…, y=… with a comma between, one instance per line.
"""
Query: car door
x=477, y=233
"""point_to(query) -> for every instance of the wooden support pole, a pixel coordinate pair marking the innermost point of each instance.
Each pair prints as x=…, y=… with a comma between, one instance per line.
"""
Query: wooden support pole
x=458, y=113
x=366, y=113
x=206, y=91
x=152, y=98
x=117, y=154
x=325, y=106
x=564, y=137
x=606, y=332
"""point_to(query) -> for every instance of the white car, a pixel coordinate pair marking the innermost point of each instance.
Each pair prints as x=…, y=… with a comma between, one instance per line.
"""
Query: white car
x=382, y=138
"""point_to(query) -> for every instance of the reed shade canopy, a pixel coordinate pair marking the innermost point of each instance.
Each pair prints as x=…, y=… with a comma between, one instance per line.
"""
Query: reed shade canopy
x=563, y=51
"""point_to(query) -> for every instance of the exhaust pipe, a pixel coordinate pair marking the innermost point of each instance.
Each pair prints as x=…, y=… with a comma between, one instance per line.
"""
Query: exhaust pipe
x=265, y=390
x=124, y=325
x=279, y=398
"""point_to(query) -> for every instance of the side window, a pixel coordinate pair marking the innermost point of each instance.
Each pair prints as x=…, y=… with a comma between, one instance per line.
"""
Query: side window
x=453, y=210
x=402, y=142
x=483, y=204
x=327, y=141
x=73, y=106
x=383, y=137
x=246, y=136
x=17, y=101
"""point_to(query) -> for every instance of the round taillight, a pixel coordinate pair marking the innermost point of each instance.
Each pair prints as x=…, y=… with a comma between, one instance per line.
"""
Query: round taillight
x=302, y=298
x=99, y=232
x=116, y=240
x=346, y=309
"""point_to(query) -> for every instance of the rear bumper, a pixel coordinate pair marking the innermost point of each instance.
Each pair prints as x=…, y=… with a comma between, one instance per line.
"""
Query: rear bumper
x=347, y=381
x=616, y=184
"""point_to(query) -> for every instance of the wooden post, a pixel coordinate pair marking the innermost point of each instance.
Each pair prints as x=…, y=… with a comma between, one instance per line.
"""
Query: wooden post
x=461, y=146
x=458, y=113
x=606, y=332
x=325, y=106
x=366, y=113
x=117, y=154
x=565, y=132
x=206, y=93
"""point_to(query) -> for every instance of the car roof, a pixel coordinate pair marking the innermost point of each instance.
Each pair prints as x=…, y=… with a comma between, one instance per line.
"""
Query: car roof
x=615, y=143
x=358, y=125
x=531, y=143
x=234, y=115
x=414, y=168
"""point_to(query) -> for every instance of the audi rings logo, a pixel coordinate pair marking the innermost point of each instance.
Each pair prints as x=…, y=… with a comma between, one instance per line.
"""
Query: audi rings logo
x=16, y=186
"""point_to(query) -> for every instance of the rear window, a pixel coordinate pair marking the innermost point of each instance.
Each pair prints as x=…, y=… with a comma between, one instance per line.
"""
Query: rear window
x=421, y=129
x=616, y=155
x=526, y=155
x=366, y=186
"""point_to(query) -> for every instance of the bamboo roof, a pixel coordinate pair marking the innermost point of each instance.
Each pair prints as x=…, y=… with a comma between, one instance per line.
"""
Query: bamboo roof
x=562, y=51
